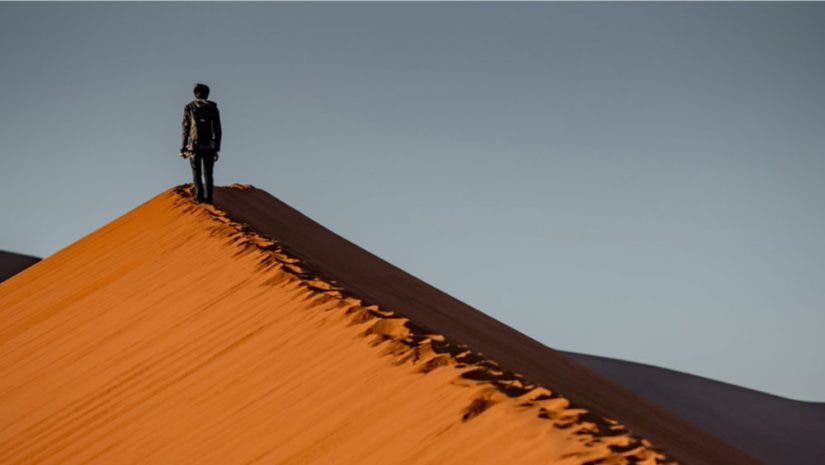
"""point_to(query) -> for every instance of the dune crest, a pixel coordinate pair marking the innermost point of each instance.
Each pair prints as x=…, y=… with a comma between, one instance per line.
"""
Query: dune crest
x=175, y=334
x=607, y=439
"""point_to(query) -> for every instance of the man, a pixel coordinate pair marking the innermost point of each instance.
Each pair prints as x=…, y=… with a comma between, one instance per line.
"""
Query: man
x=201, y=140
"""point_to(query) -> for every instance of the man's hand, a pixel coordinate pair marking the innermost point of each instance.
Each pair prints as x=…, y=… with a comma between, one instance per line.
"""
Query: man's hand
x=183, y=154
x=217, y=155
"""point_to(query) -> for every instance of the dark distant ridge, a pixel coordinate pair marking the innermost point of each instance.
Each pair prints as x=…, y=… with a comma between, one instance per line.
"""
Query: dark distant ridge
x=776, y=430
x=13, y=263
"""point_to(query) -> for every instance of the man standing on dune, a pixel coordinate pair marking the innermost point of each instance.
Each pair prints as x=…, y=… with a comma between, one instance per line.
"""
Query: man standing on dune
x=201, y=140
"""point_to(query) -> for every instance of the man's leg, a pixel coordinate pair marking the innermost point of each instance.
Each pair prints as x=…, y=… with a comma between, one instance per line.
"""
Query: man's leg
x=195, y=162
x=208, y=164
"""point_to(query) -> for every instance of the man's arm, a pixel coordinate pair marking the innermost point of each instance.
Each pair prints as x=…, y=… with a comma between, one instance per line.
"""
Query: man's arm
x=216, y=128
x=185, y=128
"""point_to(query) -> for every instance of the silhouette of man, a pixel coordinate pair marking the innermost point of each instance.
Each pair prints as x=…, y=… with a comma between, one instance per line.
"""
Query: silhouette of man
x=201, y=142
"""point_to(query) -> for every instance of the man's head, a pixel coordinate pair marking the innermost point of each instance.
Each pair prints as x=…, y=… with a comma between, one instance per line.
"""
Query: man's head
x=201, y=91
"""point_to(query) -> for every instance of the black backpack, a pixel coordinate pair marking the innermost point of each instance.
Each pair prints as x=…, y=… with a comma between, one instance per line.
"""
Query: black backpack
x=202, y=132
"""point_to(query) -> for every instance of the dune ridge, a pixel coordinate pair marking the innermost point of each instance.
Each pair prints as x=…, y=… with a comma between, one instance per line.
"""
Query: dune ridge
x=183, y=333
x=176, y=335
x=407, y=343
x=378, y=281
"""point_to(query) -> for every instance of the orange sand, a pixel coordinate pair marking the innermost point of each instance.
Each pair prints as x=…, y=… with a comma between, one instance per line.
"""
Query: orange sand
x=173, y=335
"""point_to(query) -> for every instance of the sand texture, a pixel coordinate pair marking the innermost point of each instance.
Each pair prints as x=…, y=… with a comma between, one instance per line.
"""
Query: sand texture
x=181, y=333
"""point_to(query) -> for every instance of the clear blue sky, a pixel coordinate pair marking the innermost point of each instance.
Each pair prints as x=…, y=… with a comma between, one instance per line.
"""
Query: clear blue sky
x=642, y=181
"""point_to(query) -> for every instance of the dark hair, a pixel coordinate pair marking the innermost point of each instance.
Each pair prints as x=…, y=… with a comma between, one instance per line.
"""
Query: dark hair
x=201, y=90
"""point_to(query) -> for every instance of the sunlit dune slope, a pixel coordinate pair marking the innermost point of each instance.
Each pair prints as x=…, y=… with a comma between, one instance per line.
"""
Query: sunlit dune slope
x=177, y=334
x=774, y=429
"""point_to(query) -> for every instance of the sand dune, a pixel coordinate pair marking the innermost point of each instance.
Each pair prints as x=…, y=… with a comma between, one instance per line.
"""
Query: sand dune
x=13, y=263
x=774, y=429
x=247, y=333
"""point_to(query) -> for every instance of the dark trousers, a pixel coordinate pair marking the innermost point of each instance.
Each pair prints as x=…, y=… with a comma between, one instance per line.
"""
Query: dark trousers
x=202, y=164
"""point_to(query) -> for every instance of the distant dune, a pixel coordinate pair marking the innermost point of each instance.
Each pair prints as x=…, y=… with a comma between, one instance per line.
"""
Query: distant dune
x=776, y=430
x=247, y=333
x=13, y=263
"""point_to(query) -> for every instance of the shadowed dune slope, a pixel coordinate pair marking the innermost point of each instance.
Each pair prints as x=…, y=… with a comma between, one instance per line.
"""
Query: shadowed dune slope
x=13, y=263
x=774, y=429
x=181, y=333
x=379, y=282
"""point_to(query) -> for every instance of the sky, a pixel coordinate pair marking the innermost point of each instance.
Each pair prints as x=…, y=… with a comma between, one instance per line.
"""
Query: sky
x=642, y=181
